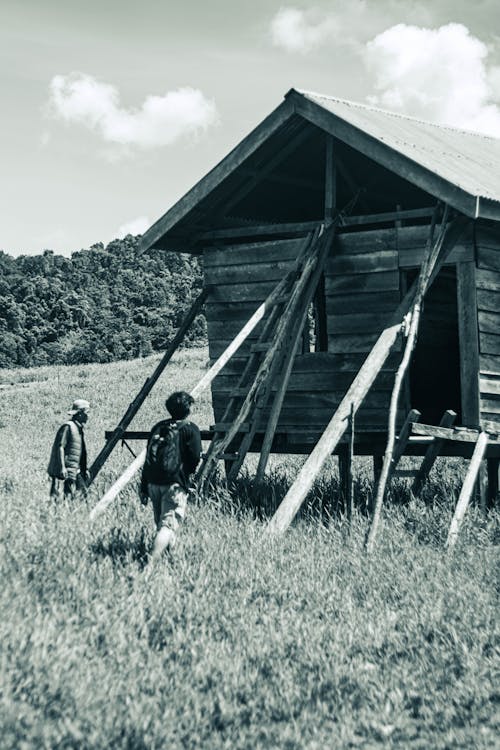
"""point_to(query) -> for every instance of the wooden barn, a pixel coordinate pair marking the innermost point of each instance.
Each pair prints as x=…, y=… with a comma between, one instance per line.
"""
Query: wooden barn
x=371, y=195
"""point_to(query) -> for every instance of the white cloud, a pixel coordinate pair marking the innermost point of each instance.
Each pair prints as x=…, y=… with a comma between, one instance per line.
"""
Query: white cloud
x=301, y=31
x=436, y=74
x=161, y=120
x=133, y=227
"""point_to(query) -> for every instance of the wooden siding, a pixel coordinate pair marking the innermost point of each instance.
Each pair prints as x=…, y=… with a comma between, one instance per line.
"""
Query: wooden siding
x=243, y=275
x=488, y=314
x=362, y=290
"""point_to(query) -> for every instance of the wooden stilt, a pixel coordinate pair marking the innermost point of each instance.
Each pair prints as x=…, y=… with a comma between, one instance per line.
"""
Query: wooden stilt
x=402, y=441
x=432, y=453
x=357, y=391
x=350, y=493
x=493, y=484
x=345, y=471
x=467, y=488
x=377, y=468
x=482, y=487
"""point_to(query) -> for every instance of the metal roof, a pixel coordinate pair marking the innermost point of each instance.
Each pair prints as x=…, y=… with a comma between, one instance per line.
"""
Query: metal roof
x=460, y=167
x=467, y=159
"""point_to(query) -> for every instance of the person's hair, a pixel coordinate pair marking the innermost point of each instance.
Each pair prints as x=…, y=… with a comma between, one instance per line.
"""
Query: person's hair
x=179, y=404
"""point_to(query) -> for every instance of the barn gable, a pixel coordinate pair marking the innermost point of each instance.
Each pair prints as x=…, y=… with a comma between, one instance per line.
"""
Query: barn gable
x=276, y=174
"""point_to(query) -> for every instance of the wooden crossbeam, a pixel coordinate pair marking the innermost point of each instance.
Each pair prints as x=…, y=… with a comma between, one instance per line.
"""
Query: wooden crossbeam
x=456, y=434
x=302, y=228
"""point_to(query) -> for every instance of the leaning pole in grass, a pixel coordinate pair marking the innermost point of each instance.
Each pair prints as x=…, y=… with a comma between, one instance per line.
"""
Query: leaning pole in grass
x=253, y=321
x=136, y=464
x=351, y=402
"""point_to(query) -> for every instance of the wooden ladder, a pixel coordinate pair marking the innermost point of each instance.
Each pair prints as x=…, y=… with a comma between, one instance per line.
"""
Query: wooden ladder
x=268, y=367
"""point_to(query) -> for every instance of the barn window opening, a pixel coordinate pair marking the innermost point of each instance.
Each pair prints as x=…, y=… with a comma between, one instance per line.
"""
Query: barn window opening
x=315, y=333
x=434, y=373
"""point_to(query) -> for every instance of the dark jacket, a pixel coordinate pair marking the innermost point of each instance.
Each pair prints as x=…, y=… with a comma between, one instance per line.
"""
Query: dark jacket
x=190, y=450
x=70, y=437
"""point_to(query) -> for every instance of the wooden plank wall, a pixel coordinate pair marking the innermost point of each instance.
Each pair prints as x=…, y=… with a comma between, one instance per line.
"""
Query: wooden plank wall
x=362, y=289
x=488, y=305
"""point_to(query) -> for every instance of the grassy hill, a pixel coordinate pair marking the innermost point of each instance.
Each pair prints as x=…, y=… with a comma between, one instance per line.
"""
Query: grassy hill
x=301, y=642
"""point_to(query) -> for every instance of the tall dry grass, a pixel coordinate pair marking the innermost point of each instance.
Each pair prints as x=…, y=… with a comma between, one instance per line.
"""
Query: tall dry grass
x=239, y=642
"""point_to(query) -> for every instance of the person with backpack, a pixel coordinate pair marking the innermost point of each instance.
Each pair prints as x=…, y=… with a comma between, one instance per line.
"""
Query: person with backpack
x=67, y=467
x=172, y=455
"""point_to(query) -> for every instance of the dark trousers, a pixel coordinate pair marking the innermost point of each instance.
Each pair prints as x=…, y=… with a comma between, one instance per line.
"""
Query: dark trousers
x=67, y=487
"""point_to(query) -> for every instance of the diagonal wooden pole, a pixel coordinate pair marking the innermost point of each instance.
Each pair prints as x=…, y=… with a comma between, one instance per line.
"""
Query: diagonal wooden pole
x=269, y=303
x=431, y=454
x=466, y=492
x=354, y=397
x=296, y=307
x=282, y=289
x=289, y=360
x=136, y=404
x=264, y=373
x=430, y=260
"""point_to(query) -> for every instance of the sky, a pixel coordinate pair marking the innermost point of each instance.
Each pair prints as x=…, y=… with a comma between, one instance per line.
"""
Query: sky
x=113, y=109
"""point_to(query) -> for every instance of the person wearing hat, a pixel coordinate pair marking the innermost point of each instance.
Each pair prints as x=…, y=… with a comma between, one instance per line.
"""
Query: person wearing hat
x=68, y=458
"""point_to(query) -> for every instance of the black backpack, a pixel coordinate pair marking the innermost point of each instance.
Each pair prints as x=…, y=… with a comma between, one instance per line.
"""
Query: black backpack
x=164, y=450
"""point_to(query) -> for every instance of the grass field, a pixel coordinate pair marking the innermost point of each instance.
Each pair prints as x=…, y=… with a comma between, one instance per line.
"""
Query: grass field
x=239, y=642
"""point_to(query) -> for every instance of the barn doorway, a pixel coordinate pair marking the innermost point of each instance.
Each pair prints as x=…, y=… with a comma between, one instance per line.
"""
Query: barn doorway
x=434, y=376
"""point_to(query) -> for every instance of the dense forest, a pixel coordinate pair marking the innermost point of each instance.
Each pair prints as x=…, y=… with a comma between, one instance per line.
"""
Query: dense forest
x=102, y=304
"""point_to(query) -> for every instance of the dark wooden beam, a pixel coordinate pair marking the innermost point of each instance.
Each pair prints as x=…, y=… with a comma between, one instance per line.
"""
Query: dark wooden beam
x=282, y=179
x=469, y=343
x=456, y=434
x=299, y=228
x=265, y=170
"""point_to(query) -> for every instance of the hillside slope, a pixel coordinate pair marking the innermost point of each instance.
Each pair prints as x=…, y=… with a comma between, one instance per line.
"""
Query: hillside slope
x=100, y=305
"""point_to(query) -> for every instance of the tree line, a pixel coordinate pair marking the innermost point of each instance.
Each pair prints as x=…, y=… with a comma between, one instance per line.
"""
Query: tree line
x=99, y=305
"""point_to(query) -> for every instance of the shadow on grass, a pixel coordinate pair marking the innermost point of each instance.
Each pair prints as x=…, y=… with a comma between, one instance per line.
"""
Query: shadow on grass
x=122, y=547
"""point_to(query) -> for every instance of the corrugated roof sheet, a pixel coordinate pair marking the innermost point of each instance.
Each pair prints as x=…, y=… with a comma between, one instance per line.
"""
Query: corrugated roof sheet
x=467, y=159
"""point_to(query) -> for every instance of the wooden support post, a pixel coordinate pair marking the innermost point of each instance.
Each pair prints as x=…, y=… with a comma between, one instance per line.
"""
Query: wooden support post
x=432, y=453
x=402, y=441
x=482, y=487
x=330, y=180
x=345, y=473
x=468, y=331
x=467, y=488
x=356, y=393
x=148, y=385
x=350, y=493
x=493, y=485
x=377, y=468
